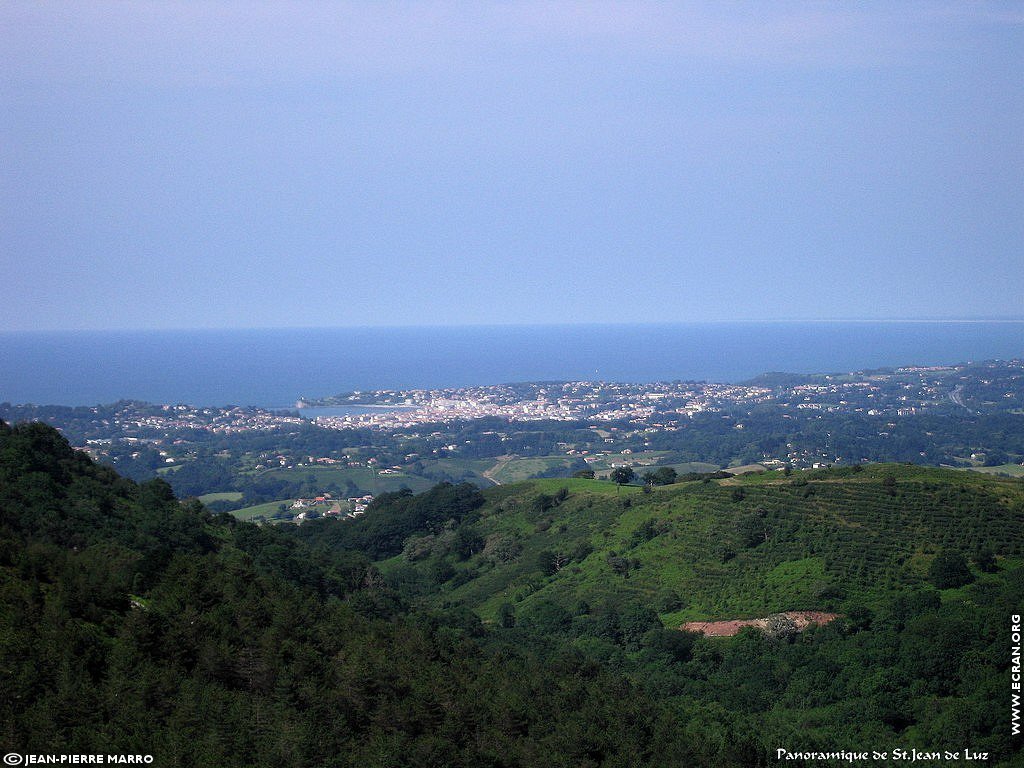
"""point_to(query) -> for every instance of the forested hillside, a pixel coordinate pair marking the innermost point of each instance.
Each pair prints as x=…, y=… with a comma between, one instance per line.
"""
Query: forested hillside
x=709, y=548
x=525, y=626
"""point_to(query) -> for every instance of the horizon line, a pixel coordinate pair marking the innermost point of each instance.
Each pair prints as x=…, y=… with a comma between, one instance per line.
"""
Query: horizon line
x=562, y=324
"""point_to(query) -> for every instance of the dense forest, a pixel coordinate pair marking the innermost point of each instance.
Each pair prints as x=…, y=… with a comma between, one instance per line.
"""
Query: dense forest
x=525, y=625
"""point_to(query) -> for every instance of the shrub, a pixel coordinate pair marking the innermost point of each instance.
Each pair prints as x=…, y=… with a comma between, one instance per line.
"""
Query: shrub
x=949, y=570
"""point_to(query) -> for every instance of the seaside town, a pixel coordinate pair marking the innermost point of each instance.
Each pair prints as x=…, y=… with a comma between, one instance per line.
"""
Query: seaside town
x=660, y=405
x=657, y=406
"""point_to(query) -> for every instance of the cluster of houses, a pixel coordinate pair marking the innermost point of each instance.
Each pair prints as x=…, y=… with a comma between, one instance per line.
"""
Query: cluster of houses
x=314, y=502
x=351, y=507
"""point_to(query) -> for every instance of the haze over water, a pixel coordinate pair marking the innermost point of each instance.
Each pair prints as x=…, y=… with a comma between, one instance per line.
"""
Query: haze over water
x=273, y=368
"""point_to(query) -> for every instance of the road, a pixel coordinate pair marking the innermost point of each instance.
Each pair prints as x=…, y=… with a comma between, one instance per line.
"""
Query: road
x=957, y=397
x=490, y=473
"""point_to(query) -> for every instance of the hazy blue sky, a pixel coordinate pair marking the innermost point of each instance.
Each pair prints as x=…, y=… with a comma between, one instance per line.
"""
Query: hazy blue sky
x=222, y=164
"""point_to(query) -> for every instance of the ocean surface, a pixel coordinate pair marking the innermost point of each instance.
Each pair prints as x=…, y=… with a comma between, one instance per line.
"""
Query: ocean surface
x=274, y=368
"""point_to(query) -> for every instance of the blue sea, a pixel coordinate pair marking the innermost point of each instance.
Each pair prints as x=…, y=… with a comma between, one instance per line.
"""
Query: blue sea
x=274, y=368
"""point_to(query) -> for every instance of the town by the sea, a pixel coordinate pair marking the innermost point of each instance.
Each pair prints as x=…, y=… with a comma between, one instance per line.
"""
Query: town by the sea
x=275, y=368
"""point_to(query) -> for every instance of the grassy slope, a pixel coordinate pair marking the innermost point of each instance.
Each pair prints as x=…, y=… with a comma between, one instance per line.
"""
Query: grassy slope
x=264, y=510
x=363, y=477
x=1014, y=470
x=841, y=530
x=470, y=470
x=520, y=469
x=206, y=498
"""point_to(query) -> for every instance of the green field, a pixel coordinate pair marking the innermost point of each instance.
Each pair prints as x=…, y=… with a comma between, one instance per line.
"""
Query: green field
x=693, y=466
x=579, y=484
x=261, y=510
x=514, y=470
x=746, y=469
x=206, y=498
x=1014, y=470
x=367, y=479
x=459, y=470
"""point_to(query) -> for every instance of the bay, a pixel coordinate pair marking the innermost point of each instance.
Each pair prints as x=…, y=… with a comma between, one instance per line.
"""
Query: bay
x=275, y=368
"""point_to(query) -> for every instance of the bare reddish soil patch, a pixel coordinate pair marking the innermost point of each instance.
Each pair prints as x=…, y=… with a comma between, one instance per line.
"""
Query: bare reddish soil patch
x=801, y=620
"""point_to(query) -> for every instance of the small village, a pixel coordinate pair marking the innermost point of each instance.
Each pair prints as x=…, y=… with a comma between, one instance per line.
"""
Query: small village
x=327, y=506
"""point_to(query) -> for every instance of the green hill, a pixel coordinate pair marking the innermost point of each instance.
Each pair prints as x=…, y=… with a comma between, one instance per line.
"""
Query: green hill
x=133, y=623
x=924, y=567
x=738, y=548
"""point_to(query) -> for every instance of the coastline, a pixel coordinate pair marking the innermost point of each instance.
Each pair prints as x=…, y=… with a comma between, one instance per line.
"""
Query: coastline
x=268, y=368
